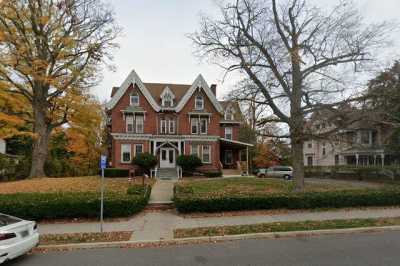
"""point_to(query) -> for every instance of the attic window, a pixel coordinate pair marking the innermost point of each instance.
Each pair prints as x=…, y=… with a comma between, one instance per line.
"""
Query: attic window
x=199, y=102
x=167, y=98
x=134, y=100
x=229, y=114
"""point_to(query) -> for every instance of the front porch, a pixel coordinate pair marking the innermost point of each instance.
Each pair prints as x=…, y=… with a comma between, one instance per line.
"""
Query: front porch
x=365, y=157
x=234, y=157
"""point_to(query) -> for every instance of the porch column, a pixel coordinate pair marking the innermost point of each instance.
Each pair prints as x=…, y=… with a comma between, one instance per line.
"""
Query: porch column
x=247, y=159
x=375, y=159
x=179, y=148
x=383, y=159
x=356, y=158
x=154, y=147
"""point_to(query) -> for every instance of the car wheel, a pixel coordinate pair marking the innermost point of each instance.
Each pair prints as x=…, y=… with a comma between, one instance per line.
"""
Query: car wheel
x=286, y=177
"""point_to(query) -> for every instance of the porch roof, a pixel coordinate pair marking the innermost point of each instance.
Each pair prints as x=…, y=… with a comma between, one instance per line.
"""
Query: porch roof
x=234, y=143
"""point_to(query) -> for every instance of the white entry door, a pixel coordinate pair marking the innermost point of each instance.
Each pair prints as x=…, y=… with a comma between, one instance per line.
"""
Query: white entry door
x=167, y=158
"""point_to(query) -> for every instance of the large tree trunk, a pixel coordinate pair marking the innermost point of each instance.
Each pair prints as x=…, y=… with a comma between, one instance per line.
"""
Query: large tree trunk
x=298, y=164
x=42, y=132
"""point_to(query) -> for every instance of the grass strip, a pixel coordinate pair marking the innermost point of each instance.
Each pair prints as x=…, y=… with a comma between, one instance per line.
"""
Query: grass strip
x=283, y=227
x=54, y=239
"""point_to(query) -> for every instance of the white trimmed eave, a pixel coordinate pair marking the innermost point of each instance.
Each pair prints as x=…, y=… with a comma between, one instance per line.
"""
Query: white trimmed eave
x=133, y=78
x=199, y=82
x=237, y=142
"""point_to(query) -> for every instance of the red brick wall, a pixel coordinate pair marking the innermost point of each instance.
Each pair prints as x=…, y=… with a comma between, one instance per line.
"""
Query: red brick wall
x=235, y=130
x=215, y=154
x=119, y=124
x=116, y=153
x=184, y=122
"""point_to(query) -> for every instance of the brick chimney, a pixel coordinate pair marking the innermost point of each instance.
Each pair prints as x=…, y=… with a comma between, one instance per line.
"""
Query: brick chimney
x=213, y=88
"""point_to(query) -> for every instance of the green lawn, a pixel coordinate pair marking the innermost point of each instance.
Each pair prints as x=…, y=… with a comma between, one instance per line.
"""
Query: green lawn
x=248, y=186
x=283, y=227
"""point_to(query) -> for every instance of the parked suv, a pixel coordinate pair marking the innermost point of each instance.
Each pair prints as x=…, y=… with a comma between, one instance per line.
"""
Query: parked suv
x=285, y=172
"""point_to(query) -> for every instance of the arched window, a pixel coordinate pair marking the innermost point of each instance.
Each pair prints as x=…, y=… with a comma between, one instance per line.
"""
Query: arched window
x=199, y=102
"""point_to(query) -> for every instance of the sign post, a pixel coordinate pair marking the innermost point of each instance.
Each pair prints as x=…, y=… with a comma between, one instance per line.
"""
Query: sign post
x=103, y=163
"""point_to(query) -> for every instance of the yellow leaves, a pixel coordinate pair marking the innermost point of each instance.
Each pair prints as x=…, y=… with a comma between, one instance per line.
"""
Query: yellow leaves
x=43, y=20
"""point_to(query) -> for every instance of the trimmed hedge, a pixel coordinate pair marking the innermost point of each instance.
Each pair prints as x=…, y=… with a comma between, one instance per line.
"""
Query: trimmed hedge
x=213, y=174
x=354, y=172
x=115, y=172
x=39, y=206
x=186, y=202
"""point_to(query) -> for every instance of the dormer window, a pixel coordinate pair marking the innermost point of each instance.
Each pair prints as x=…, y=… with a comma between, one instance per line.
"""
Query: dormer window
x=134, y=100
x=167, y=98
x=199, y=102
x=229, y=114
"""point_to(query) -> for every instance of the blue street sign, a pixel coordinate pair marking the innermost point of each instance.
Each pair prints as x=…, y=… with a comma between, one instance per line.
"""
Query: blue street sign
x=103, y=161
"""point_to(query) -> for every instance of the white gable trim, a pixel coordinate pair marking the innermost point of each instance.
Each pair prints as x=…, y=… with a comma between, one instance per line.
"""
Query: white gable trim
x=133, y=79
x=167, y=90
x=199, y=82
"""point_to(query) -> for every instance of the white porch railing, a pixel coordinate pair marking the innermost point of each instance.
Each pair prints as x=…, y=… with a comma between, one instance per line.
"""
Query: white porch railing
x=154, y=172
x=179, y=172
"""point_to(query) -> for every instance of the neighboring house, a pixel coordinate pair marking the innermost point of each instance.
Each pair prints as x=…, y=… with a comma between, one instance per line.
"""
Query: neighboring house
x=360, y=142
x=172, y=119
x=2, y=146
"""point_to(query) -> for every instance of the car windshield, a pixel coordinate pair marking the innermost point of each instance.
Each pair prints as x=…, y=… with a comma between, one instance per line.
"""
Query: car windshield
x=6, y=220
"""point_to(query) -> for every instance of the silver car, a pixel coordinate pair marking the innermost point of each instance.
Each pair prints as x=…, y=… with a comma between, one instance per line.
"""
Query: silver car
x=285, y=172
x=17, y=237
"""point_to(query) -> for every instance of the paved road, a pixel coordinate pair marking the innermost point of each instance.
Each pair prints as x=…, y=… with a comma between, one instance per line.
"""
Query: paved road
x=357, y=249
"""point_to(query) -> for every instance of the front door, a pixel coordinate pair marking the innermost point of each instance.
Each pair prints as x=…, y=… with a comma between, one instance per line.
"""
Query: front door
x=167, y=158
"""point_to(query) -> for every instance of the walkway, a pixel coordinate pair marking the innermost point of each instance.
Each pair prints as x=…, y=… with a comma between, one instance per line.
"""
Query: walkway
x=160, y=225
x=162, y=191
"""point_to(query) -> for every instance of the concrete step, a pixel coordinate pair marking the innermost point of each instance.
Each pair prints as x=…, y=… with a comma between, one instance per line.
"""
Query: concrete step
x=160, y=206
x=167, y=173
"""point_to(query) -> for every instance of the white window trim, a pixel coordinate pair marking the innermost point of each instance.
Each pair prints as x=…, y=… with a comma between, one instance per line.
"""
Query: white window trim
x=163, y=121
x=197, y=148
x=231, y=132
x=128, y=119
x=173, y=126
x=122, y=152
x=134, y=151
x=196, y=123
x=131, y=102
x=198, y=97
x=202, y=154
x=203, y=119
x=136, y=124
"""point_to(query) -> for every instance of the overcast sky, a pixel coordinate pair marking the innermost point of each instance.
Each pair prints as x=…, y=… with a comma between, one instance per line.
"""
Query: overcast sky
x=155, y=46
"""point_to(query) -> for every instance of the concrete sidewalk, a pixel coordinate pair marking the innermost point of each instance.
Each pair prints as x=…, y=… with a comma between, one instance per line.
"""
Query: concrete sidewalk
x=160, y=225
x=162, y=191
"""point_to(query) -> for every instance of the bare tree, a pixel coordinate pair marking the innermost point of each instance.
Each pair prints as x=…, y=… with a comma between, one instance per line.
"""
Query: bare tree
x=51, y=51
x=294, y=53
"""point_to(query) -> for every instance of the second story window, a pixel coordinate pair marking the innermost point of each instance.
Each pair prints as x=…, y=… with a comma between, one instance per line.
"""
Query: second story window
x=171, y=126
x=203, y=126
x=194, y=125
x=228, y=133
x=134, y=100
x=163, y=126
x=139, y=123
x=129, y=123
x=199, y=102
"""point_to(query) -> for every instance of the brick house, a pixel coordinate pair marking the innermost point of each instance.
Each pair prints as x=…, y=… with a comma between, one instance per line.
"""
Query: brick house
x=168, y=120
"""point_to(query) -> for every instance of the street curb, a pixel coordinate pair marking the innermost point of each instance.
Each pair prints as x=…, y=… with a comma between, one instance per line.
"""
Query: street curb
x=205, y=239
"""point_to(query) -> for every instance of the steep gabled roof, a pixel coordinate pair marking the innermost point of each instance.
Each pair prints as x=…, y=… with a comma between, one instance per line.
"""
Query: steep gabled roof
x=235, y=105
x=152, y=92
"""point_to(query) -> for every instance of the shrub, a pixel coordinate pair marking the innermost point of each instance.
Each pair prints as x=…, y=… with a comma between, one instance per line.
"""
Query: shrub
x=189, y=163
x=39, y=206
x=116, y=172
x=185, y=201
x=213, y=174
x=145, y=161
